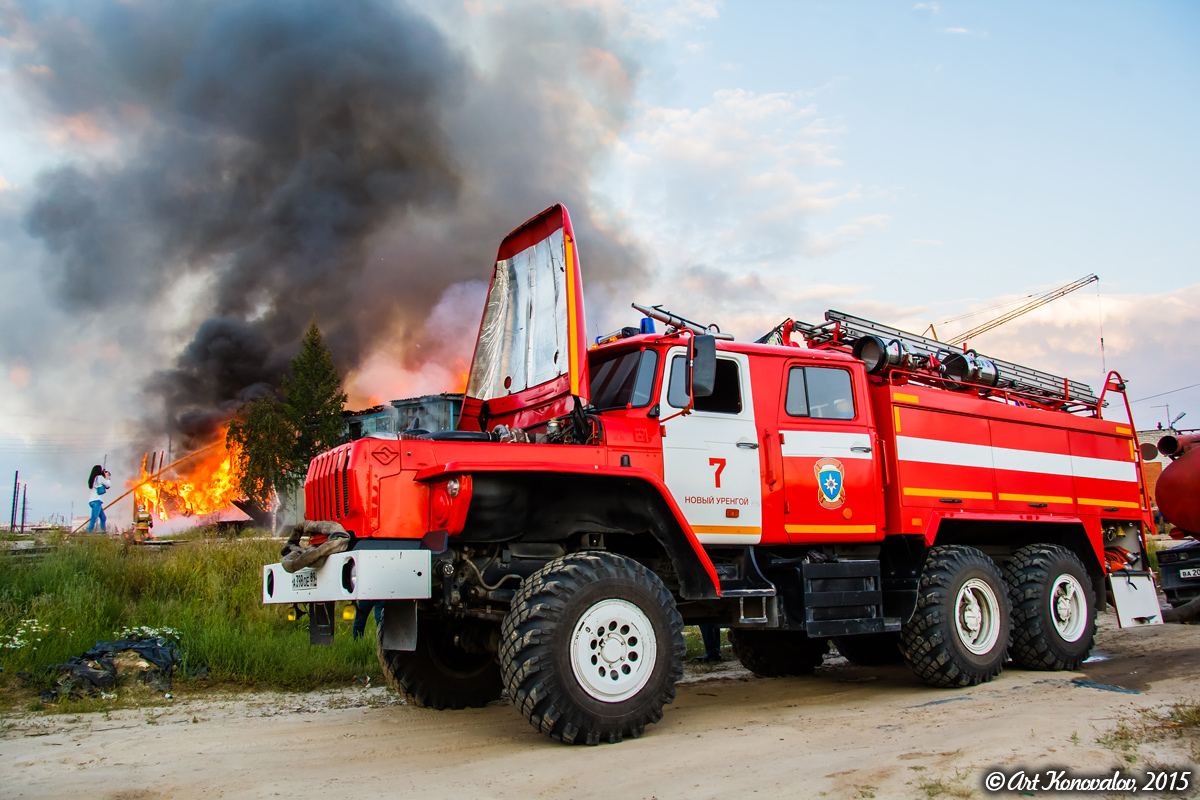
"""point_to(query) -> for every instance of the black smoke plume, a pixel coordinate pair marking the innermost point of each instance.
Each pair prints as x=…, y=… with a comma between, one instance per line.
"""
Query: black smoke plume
x=283, y=161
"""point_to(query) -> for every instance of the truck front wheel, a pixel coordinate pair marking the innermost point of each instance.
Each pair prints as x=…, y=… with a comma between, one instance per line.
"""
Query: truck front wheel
x=1054, y=610
x=776, y=654
x=959, y=634
x=870, y=649
x=439, y=674
x=592, y=647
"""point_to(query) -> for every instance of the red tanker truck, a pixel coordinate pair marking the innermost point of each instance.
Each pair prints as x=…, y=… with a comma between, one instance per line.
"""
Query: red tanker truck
x=841, y=480
x=1177, y=494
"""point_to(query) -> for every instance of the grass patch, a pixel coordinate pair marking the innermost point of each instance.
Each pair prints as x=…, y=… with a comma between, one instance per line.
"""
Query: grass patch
x=695, y=643
x=208, y=590
x=1180, y=720
x=947, y=787
x=1152, y=548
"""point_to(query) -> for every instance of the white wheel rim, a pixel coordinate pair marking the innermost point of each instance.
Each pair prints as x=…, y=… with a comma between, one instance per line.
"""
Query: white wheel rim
x=977, y=616
x=1068, y=607
x=613, y=650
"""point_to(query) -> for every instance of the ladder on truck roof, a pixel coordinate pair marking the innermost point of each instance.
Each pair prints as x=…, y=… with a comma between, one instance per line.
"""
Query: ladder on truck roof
x=841, y=330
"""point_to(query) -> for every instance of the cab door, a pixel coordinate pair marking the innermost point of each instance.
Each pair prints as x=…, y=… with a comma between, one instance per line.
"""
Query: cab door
x=832, y=490
x=710, y=456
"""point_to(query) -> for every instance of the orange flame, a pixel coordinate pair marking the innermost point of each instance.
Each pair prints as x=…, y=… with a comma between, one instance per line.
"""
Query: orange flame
x=464, y=375
x=208, y=485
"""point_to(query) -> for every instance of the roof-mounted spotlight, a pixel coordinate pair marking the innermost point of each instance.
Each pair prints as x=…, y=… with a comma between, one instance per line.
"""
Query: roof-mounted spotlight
x=879, y=356
x=961, y=369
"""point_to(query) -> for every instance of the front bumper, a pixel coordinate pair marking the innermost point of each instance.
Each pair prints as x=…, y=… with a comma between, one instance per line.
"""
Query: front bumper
x=353, y=575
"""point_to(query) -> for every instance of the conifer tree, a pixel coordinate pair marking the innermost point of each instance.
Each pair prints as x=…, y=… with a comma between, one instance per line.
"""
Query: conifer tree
x=266, y=450
x=276, y=440
x=313, y=398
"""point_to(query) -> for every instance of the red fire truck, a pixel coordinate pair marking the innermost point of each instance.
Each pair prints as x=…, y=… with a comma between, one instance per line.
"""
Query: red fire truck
x=842, y=480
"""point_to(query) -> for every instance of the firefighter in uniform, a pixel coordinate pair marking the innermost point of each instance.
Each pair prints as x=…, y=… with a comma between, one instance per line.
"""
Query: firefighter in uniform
x=143, y=521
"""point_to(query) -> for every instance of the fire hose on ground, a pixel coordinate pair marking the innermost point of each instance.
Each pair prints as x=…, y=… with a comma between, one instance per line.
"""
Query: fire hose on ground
x=296, y=556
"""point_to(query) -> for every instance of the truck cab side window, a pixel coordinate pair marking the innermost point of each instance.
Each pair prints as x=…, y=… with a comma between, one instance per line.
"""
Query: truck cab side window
x=796, y=404
x=819, y=393
x=727, y=392
x=624, y=380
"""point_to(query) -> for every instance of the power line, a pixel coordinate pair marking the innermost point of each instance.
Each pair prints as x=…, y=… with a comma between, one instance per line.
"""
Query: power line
x=59, y=435
x=1160, y=394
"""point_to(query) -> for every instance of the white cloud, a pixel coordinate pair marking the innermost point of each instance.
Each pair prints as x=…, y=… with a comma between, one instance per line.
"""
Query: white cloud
x=927, y=242
x=725, y=196
x=5, y=186
x=735, y=176
x=658, y=20
x=931, y=7
x=820, y=127
x=1063, y=338
x=957, y=30
x=824, y=243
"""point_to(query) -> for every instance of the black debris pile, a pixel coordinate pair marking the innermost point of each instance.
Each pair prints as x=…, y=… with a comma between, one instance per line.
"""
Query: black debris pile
x=149, y=661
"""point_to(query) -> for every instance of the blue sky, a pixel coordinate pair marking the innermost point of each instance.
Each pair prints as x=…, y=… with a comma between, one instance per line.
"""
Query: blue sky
x=906, y=161
x=967, y=153
x=1032, y=141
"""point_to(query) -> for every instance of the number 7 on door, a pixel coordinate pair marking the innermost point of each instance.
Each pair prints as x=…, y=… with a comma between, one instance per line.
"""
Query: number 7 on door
x=719, y=463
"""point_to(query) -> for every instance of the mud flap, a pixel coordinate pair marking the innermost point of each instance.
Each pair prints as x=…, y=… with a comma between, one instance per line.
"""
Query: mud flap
x=1136, y=599
x=399, y=625
x=320, y=623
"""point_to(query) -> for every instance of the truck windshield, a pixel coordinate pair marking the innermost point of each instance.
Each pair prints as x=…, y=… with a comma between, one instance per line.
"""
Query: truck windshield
x=624, y=380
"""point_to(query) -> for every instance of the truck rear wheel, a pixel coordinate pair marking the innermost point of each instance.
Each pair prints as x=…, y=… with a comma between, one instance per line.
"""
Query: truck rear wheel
x=439, y=674
x=959, y=633
x=776, y=654
x=870, y=649
x=591, y=648
x=1054, y=609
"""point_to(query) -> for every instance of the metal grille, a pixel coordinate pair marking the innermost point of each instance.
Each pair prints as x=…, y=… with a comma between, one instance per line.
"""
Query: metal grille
x=338, y=500
x=346, y=483
x=322, y=501
x=327, y=487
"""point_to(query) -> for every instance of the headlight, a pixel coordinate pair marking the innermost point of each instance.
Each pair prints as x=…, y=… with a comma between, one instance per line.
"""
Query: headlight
x=452, y=486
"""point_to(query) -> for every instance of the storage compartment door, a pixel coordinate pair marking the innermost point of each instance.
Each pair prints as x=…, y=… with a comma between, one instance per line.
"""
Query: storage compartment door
x=1033, y=468
x=945, y=460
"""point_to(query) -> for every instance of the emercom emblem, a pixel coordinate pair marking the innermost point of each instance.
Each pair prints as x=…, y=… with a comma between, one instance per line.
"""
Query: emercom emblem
x=830, y=490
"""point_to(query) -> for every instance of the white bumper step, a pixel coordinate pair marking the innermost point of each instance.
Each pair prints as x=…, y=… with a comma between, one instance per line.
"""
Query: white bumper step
x=358, y=574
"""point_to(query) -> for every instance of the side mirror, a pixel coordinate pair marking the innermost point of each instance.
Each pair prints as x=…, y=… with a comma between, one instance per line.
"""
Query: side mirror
x=704, y=365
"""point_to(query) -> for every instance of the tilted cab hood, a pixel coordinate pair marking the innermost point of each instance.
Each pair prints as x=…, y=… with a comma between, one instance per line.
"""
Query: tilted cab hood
x=530, y=358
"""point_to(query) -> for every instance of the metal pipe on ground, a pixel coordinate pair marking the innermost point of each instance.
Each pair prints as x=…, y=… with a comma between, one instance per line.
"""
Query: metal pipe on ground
x=140, y=483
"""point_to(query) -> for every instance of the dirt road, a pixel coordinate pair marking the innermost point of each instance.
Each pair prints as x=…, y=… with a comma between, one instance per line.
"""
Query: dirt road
x=846, y=732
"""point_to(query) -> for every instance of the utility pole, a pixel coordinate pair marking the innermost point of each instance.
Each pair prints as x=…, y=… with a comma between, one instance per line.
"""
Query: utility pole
x=24, y=506
x=13, y=521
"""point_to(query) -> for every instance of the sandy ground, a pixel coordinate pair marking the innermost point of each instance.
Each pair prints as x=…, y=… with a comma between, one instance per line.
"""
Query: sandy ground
x=846, y=732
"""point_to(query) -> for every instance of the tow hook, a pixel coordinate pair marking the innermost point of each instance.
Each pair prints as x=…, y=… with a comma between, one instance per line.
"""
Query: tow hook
x=450, y=595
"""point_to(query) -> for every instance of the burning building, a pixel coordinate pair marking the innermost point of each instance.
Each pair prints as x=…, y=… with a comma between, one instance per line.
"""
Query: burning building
x=431, y=412
x=250, y=167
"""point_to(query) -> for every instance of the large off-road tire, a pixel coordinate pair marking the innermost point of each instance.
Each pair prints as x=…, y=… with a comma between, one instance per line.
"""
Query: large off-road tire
x=776, y=654
x=439, y=674
x=959, y=634
x=1054, y=608
x=870, y=649
x=591, y=648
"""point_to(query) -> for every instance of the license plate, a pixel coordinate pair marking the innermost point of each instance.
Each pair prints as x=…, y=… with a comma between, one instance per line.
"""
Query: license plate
x=304, y=580
x=1189, y=573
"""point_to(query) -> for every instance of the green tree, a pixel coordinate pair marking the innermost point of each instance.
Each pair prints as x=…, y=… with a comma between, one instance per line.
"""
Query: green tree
x=264, y=443
x=313, y=398
x=275, y=441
